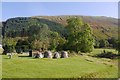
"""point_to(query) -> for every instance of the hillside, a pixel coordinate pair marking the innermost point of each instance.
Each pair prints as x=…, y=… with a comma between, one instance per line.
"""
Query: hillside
x=103, y=27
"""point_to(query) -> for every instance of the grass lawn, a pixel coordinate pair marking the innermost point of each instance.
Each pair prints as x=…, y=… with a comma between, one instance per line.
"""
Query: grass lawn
x=72, y=67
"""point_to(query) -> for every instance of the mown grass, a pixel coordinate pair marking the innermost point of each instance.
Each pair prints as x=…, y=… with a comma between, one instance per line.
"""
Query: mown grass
x=72, y=67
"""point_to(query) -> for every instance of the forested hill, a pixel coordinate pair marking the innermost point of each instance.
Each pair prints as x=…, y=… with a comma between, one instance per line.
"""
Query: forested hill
x=103, y=27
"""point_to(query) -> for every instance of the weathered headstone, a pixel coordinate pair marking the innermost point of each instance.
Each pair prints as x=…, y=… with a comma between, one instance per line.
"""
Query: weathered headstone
x=38, y=55
x=64, y=54
x=47, y=54
x=56, y=55
x=41, y=55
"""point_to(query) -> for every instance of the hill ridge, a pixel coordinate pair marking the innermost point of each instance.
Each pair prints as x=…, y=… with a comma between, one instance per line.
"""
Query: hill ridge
x=103, y=27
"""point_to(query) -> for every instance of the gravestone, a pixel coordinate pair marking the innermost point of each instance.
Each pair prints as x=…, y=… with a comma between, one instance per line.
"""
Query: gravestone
x=41, y=55
x=47, y=54
x=64, y=54
x=38, y=55
x=56, y=55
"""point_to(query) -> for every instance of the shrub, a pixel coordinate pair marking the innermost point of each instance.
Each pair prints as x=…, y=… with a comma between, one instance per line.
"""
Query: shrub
x=105, y=54
x=8, y=49
x=22, y=46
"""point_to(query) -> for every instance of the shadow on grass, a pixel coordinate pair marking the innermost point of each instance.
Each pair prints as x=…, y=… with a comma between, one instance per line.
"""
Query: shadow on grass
x=23, y=56
x=109, y=55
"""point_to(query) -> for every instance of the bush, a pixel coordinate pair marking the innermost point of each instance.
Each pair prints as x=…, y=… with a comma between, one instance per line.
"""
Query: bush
x=22, y=46
x=103, y=43
x=105, y=54
x=8, y=49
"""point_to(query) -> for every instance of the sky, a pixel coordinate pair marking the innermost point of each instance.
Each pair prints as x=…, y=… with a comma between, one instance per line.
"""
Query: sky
x=27, y=9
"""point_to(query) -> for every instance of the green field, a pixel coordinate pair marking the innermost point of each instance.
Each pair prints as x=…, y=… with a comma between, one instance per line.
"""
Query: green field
x=72, y=67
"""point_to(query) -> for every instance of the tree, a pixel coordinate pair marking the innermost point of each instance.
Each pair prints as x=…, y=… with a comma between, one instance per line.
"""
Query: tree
x=85, y=39
x=53, y=39
x=117, y=47
x=8, y=45
x=80, y=36
x=22, y=46
x=61, y=44
x=38, y=32
x=8, y=49
x=97, y=43
x=103, y=43
x=38, y=36
x=112, y=41
x=40, y=45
